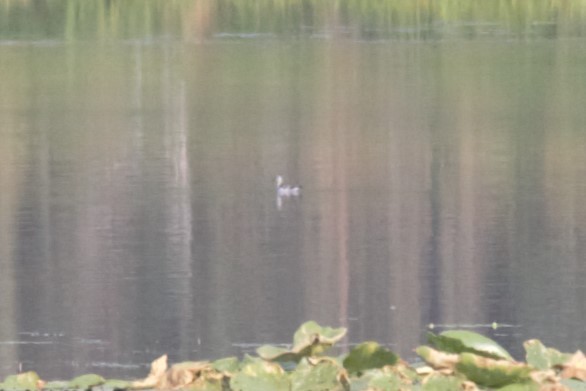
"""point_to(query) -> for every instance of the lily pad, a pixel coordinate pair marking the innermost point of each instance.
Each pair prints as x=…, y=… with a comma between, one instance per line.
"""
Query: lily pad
x=575, y=367
x=488, y=372
x=311, y=333
x=85, y=382
x=274, y=353
x=382, y=380
x=209, y=381
x=574, y=385
x=438, y=360
x=460, y=341
x=369, y=355
x=540, y=357
x=227, y=365
x=182, y=374
x=359, y=383
x=322, y=375
x=260, y=375
x=529, y=386
x=56, y=385
x=23, y=381
x=309, y=340
x=439, y=382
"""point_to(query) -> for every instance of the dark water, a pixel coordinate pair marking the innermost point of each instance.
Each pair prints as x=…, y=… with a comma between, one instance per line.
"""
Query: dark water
x=444, y=183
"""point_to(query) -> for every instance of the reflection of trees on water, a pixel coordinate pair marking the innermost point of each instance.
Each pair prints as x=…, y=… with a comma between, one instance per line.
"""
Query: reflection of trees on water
x=201, y=19
x=142, y=188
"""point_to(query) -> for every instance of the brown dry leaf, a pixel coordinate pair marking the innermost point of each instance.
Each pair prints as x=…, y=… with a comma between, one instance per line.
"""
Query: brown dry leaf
x=404, y=370
x=554, y=387
x=469, y=386
x=158, y=369
x=423, y=371
x=544, y=377
x=206, y=377
x=575, y=367
x=441, y=361
x=181, y=375
x=176, y=378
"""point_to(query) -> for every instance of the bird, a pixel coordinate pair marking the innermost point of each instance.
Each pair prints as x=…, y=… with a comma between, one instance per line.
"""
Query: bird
x=286, y=190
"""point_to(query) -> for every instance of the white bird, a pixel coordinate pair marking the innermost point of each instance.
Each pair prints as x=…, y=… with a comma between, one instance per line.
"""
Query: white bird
x=286, y=190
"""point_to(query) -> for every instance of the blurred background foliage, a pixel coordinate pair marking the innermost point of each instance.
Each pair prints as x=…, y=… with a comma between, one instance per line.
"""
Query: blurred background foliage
x=375, y=19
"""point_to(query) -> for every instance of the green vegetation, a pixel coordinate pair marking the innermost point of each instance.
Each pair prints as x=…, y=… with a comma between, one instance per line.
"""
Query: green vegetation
x=404, y=19
x=456, y=360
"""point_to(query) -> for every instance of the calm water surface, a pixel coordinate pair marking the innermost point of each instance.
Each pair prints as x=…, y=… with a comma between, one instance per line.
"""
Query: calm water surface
x=444, y=183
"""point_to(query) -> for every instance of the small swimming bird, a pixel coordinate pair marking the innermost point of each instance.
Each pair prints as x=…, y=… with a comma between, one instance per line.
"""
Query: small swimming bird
x=286, y=190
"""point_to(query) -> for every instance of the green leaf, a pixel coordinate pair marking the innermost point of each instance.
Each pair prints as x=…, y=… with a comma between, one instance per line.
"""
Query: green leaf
x=385, y=381
x=309, y=340
x=23, y=381
x=85, y=382
x=227, y=365
x=205, y=384
x=259, y=375
x=574, y=385
x=442, y=383
x=529, y=386
x=543, y=358
x=274, y=353
x=460, y=341
x=488, y=372
x=323, y=375
x=369, y=355
x=114, y=384
x=436, y=359
x=55, y=385
x=312, y=334
x=359, y=383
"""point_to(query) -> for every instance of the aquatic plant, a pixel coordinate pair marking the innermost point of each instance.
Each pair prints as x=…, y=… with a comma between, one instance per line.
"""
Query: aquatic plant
x=456, y=360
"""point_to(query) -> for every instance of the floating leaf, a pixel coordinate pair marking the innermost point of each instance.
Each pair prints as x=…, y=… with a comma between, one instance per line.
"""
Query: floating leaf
x=369, y=355
x=381, y=380
x=540, y=357
x=158, y=369
x=260, y=375
x=55, y=385
x=459, y=341
x=438, y=382
x=574, y=385
x=359, y=383
x=406, y=373
x=23, y=381
x=547, y=376
x=438, y=360
x=208, y=381
x=114, y=384
x=530, y=386
x=310, y=333
x=227, y=365
x=489, y=372
x=274, y=353
x=309, y=340
x=322, y=375
x=182, y=374
x=85, y=382
x=385, y=382
x=575, y=367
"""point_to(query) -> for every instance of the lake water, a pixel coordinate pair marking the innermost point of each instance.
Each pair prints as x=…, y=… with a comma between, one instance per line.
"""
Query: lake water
x=444, y=180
